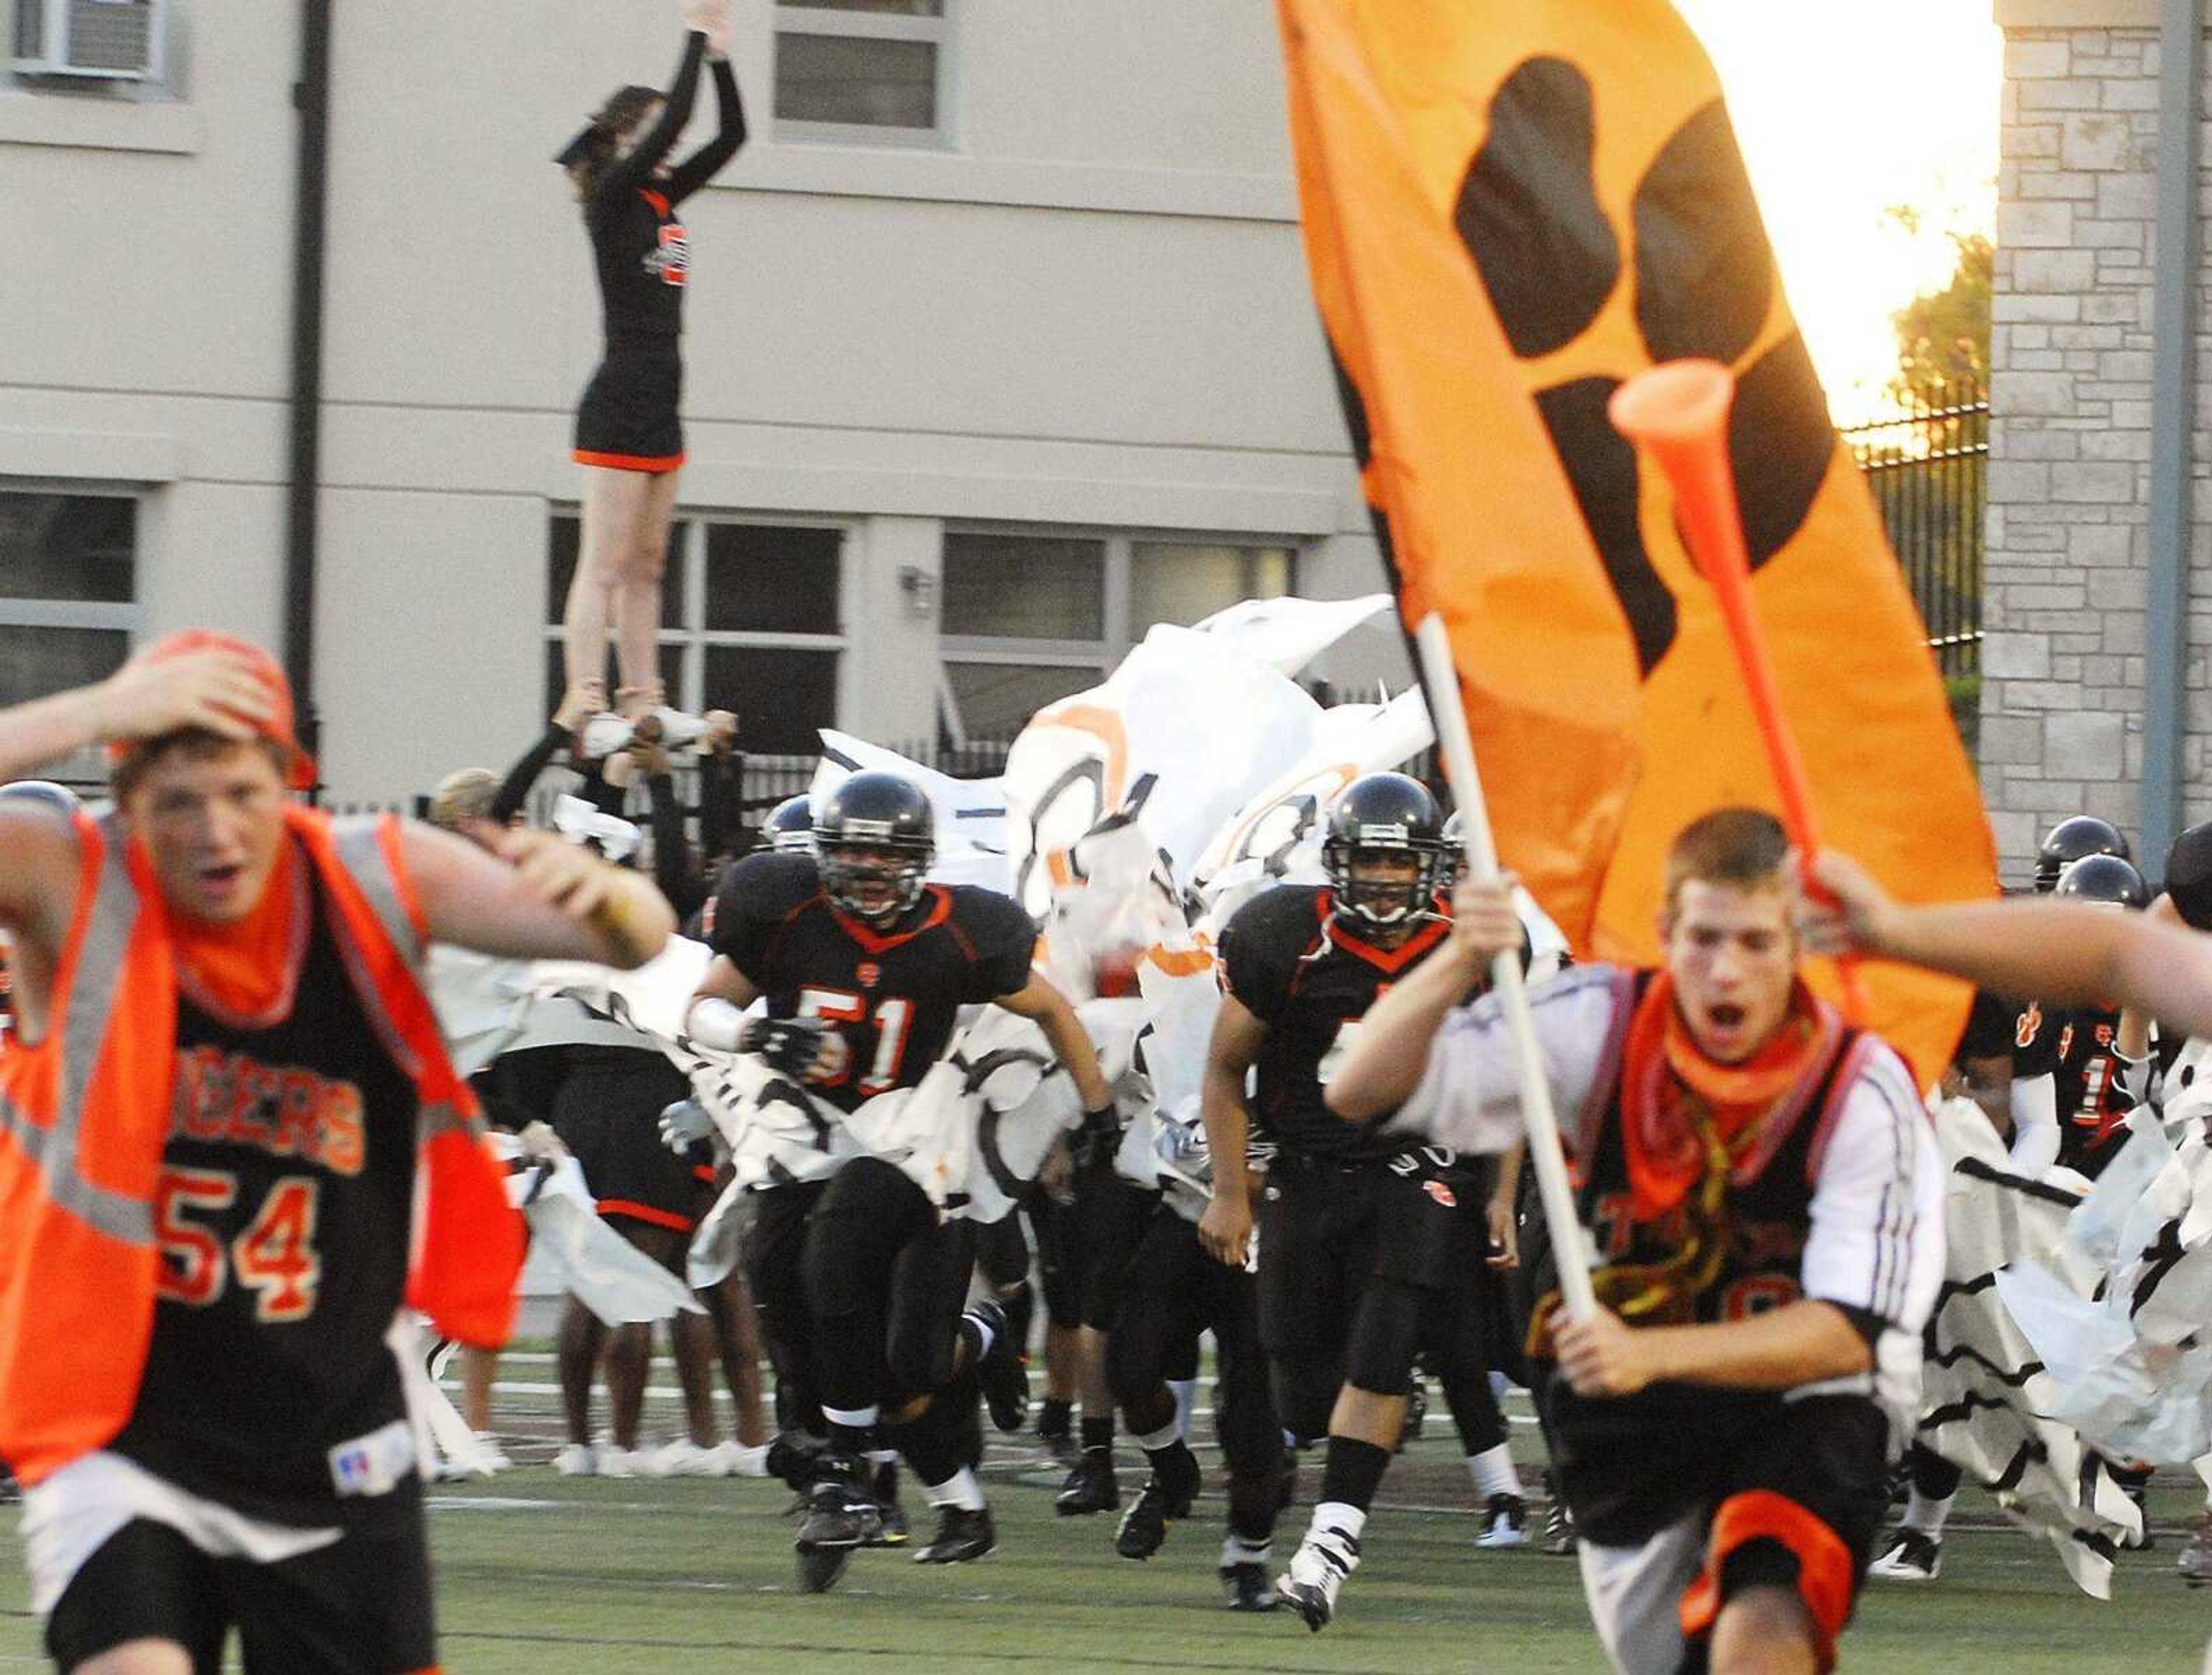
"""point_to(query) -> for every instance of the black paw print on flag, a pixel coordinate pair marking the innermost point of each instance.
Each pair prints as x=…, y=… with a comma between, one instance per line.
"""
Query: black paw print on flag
x=1529, y=214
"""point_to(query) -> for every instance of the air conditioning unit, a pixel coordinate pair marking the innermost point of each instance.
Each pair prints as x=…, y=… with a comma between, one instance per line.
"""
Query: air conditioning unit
x=108, y=41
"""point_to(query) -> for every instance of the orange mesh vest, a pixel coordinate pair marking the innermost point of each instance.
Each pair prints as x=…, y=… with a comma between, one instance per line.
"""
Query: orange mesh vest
x=85, y=1113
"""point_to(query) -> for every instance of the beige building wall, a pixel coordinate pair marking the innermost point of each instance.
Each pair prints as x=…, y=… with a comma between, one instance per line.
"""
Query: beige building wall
x=1087, y=309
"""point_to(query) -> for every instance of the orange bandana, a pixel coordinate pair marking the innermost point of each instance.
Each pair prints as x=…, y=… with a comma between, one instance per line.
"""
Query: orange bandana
x=249, y=964
x=1682, y=1114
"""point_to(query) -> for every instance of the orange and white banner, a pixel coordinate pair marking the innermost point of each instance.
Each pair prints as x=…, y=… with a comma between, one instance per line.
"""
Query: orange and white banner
x=1511, y=207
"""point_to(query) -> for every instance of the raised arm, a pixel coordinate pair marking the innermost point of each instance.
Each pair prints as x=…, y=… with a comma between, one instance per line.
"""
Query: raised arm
x=626, y=174
x=1390, y=1053
x=2056, y=950
x=702, y=165
x=215, y=690
x=540, y=897
x=560, y=734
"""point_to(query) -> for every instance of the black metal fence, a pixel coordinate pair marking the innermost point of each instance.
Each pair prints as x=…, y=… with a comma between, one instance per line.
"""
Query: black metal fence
x=1928, y=469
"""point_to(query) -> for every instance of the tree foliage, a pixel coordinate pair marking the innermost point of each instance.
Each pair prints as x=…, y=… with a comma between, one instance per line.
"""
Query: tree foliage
x=1943, y=336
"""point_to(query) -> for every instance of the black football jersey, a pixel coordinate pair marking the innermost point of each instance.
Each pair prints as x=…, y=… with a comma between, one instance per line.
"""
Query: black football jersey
x=2094, y=1102
x=895, y=995
x=1998, y=1027
x=1292, y=966
x=283, y=1211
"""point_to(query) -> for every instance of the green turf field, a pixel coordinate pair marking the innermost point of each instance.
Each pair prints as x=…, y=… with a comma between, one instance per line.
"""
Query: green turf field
x=544, y=1575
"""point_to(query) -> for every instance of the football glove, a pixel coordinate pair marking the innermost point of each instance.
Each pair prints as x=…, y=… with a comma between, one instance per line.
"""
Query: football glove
x=789, y=1047
x=683, y=1125
x=1093, y=1144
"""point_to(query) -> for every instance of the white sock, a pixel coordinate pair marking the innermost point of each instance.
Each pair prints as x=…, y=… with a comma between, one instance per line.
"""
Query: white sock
x=1166, y=1437
x=1927, y=1515
x=1186, y=1395
x=856, y=1419
x=1493, y=1472
x=1237, y=1550
x=984, y=1329
x=960, y=1489
x=1336, y=1518
x=881, y=1456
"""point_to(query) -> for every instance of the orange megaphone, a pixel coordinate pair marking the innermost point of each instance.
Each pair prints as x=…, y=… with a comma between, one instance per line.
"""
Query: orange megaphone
x=1679, y=412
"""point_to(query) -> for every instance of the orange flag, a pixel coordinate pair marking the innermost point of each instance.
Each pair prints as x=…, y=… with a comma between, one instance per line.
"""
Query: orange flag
x=1510, y=207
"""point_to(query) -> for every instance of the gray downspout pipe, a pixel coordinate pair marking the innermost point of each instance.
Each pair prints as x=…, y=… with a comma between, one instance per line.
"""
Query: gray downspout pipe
x=2172, y=425
x=310, y=97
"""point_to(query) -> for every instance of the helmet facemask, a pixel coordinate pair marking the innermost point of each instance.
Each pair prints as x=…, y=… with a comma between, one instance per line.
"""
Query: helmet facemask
x=1409, y=867
x=876, y=879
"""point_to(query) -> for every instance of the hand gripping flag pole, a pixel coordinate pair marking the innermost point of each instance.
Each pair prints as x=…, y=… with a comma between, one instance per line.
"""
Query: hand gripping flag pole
x=1679, y=413
x=1440, y=679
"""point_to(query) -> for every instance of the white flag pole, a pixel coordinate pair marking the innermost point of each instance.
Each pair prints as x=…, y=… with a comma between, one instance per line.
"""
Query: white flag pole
x=1440, y=680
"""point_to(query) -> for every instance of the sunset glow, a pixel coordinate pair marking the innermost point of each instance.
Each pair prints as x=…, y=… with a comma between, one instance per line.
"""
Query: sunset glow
x=1844, y=113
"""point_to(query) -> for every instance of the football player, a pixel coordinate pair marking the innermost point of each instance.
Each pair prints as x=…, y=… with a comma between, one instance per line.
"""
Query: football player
x=2093, y=1079
x=864, y=966
x=1767, y=1200
x=1362, y=1240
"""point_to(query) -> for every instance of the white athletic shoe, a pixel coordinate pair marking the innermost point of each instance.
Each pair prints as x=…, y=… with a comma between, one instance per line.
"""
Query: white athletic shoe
x=1910, y=1556
x=685, y=1459
x=578, y=1459
x=605, y=734
x=1317, y=1571
x=734, y=1459
x=1504, y=1522
x=625, y=1463
x=492, y=1458
x=679, y=727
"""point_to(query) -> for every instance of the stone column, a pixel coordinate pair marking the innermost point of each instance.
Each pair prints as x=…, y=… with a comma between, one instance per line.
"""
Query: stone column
x=2070, y=434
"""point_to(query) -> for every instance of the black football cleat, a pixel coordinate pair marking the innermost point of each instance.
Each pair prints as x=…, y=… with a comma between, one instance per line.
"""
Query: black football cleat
x=1161, y=1501
x=962, y=1535
x=1246, y=1588
x=1005, y=1375
x=1092, y=1487
x=819, y=1567
x=840, y=1512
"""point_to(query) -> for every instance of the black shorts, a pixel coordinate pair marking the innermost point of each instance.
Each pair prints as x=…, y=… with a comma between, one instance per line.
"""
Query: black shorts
x=1110, y=1216
x=361, y=1606
x=1629, y=1466
x=607, y=1113
x=1002, y=1252
x=1060, y=1267
x=1326, y=1228
x=628, y=417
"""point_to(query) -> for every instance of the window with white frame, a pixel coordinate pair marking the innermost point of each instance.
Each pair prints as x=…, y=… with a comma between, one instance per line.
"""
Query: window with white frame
x=122, y=49
x=69, y=593
x=1030, y=616
x=873, y=70
x=750, y=621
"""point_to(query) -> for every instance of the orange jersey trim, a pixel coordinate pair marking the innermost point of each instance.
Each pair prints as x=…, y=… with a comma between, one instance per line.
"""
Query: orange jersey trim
x=1825, y=1570
x=637, y=1212
x=654, y=463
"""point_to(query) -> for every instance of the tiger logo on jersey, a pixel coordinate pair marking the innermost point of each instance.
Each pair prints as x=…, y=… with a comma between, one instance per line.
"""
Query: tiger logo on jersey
x=2028, y=1027
x=671, y=261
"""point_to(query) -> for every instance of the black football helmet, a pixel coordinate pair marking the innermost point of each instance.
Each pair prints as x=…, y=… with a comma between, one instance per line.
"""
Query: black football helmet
x=2072, y=840
x=790, y=826
x=2106, y=881
x=1383, y=814
x=873, y=842
x=2189, y=876
x=1454, y=843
